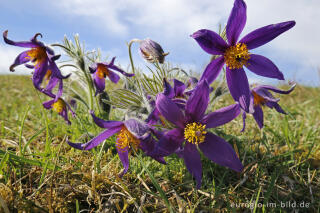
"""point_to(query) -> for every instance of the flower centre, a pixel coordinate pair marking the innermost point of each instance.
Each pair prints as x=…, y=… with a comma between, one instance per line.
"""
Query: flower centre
x=237, y=56
x=195, y=133
x=59, y=105
x=257, y=99
x=126, y=140
x=37, y=55
x=102, y=71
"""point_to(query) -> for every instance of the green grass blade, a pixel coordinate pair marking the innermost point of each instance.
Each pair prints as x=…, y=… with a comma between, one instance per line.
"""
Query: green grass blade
x=21, y=129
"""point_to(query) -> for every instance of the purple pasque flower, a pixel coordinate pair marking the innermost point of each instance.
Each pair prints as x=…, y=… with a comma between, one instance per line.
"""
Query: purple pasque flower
x=60, y=106
x=53, y=77
x=190, y=131
x=176, y=93
x=235, y=54
x=57, y=104
x=39, y=54
x=131, y=134
x=102, y=70
x=151, y=51
x=262, y=97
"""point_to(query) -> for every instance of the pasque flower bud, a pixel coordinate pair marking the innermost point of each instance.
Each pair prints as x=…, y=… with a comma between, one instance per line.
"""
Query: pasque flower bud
x=152, y=51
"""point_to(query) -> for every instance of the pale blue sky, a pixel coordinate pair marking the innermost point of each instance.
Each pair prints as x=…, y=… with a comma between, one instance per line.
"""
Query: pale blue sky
x=109, y=24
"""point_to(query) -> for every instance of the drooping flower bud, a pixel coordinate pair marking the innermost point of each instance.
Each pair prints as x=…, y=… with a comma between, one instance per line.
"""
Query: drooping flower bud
x=152, y=51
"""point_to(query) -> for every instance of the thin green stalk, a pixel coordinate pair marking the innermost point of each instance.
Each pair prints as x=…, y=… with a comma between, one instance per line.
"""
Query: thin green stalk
x=90, y=88
x=21, y=129
x=257, y=199
x=132, y=65
x=98, y=159
x=130, y=54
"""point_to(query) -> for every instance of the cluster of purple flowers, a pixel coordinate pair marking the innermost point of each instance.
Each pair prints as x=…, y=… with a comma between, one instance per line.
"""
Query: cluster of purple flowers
x=179, y=122
x=46, y=74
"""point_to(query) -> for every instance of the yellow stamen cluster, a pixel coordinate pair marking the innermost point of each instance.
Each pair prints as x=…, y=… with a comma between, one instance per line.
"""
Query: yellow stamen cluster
x=257, y=99
x=59, y=105
x=237, y=56
x=37, y=55
x=102, y=71
x=126, y=140
x=195, y=133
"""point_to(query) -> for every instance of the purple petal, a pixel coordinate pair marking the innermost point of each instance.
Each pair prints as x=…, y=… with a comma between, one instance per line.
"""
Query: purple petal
x=105, y=124
x=99, y=83
x=48, y=104
x=167, y=89
x=113, y=77
x=169, y=143
x=64, y=114
x=138, y=129
x=236, y=21
x=192, y=161
x=60, y=90
x=158, y=134
x=239, y=88
x=30, y=66
x=210, y=42
x=97, y=140
x=20, y=59
x=258, y=115
x=39, y=73
x=198, y=102
x=274, y=89
x=220, y=152
x=56, y=71
x=35, y=37
x=263, y=66
x=70, y=109
x=114, y=67
x=265, y=94
x=265, y=34
x=213, y=70
x=244, y=116
x=275, y=105
x=49, y=51
x=112, y=61
x=18, y=43
x=153, y=118
x=147, y=146
x=170, y=110
x=52, y=83
x=278, y=108
x=101, y=137
x=221, y=116
x=124, y=160
x=178, y=87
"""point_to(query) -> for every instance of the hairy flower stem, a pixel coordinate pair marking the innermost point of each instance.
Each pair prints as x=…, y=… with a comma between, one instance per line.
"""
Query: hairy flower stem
x=130, y=54
x=90, y=88
x=132, y=65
